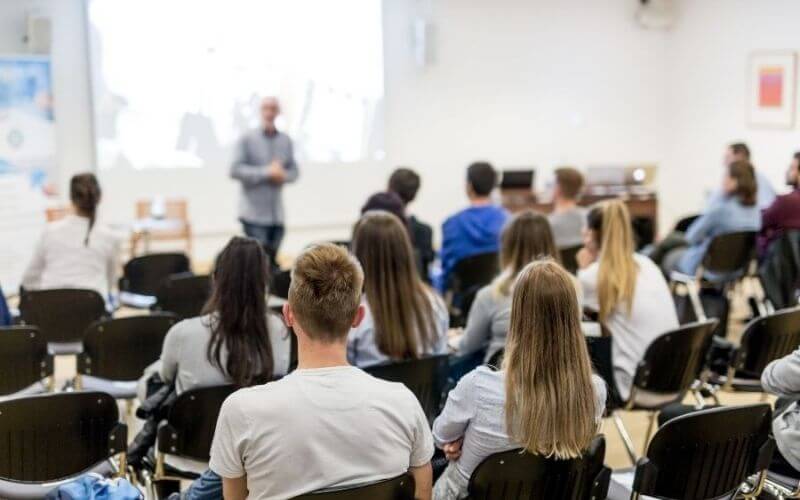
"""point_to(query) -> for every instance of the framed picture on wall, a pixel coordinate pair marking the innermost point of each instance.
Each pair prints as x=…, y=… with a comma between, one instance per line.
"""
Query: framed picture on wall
x=772, y=87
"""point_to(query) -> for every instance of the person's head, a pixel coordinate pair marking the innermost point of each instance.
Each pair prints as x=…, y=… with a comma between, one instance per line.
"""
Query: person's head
x=386, y=202
x=740, y=182
x=397, y=298
x=526, y=237
x=793, y=172
x=85, y=193
x=609, y=234
x=738, y=151
x=569, y=184
x=481, y=180
x=238, y=313
x=325, y=295
x=550, y=400
x=270, y=109
x=404, y=182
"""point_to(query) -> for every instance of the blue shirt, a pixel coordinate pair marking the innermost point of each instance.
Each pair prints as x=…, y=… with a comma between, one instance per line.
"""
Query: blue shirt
x=724, y=215
x=472, y=231
x=765, y=194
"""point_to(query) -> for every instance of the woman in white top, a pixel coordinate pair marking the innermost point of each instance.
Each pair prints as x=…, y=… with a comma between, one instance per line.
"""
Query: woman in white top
x=627, y=290
x=74, y=252
x=404, y=318
x=526, y=238
x=544, y=399
x=236, y=340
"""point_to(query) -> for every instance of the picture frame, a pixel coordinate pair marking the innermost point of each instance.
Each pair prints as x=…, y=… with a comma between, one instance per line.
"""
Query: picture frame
x=772, y=89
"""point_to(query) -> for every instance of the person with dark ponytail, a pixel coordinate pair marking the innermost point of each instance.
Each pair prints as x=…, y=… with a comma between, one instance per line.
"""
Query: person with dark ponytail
x=75, y=252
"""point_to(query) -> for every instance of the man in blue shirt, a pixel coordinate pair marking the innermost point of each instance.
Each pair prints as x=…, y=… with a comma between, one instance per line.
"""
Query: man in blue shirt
x=476, y=229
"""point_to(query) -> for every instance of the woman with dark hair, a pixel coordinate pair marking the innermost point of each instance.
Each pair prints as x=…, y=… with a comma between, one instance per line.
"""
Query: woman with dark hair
x=735, y=211
x=74, y=252
x=404, y=318
x=236, y=340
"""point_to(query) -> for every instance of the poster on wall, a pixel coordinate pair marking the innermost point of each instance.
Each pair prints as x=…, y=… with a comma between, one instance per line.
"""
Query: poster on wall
x=772, y=83
x=27, y=159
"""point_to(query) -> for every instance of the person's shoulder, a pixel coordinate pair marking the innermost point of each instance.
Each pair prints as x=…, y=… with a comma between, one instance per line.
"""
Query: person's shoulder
x=452, y=221
x=188, y=328
x=646, y=263
x=261, y=398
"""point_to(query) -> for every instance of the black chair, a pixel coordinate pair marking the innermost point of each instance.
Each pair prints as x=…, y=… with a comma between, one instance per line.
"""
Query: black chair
x=144, y=275
x=189, y=430
x=116, y=352
x=26, y=368
x=279, y=284
x=779, y=271
x=425, y=377
x=62, y=315
x=764, y=340
x=518, y=475
x=668, y=371
x=707, y=454
x=183, y=294
x=56, y=437
x=727, y=254
x=470, y=275
x=683, y=224
x=569, y=258
x=398, y=488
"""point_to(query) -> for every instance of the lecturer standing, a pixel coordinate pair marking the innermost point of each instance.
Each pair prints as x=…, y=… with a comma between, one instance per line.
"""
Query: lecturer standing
x=264, y=162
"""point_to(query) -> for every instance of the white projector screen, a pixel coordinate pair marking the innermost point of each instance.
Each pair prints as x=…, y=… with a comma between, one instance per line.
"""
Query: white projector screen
x=176, y=82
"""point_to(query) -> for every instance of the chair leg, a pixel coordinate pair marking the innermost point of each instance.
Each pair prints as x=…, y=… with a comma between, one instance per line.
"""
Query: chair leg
x=626, y=438
x=650, y=427
x=693, y=288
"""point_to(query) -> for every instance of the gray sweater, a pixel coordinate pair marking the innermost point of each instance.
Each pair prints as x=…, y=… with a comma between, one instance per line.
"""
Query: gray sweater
x=782, y=378
x=262, y=201
x=487, y=324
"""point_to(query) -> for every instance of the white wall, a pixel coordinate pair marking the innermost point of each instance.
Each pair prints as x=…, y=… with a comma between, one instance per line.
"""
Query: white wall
x=518, y=82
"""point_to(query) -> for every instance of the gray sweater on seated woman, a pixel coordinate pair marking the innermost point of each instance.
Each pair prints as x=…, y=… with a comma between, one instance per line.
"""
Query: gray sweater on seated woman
x=782, y=378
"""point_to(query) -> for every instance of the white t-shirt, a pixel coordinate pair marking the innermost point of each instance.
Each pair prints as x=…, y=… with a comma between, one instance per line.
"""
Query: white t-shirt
x=318, y=429
x=652, y=314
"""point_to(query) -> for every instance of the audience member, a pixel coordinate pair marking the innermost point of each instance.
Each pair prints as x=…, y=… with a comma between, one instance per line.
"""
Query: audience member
x=567, y=218
x=784, y=213
x=327, y=424
x=476, y=229
x=739, y=151
x=736, y=211
x=387, y=202
x=627, y=290
x=405, y=183
x=236, y=340
x=526, y=237
x=544, y=399
x=75, y=252
x=5, y=312
x=782, y=378
x=403, y=318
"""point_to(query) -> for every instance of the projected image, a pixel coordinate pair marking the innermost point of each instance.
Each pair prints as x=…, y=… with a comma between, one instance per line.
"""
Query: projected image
x=176, y=83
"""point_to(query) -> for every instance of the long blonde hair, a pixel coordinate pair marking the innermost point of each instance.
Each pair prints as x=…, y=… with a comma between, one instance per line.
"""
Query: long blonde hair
x=617, y=272
x=550, y=398
x=527, y=237
x=398, y=299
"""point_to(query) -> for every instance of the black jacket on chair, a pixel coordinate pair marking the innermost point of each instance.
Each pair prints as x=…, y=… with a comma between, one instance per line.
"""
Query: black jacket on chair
x=780, y=270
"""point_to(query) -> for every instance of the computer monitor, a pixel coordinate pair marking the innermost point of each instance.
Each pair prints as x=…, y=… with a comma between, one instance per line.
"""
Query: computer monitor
x=517, y=179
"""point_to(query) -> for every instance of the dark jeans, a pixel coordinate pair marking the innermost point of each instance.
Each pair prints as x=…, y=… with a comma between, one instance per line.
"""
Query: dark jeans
x=206, y=487
x=270, y=236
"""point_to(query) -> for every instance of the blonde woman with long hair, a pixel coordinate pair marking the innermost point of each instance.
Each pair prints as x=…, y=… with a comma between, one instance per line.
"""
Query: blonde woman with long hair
x=544, y=398
x=404, y=318
x=525, y=238
x=626, y=289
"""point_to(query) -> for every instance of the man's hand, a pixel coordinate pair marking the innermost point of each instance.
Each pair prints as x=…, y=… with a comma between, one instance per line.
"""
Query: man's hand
x=452, y=451
x=276, y=173
x=585, y=257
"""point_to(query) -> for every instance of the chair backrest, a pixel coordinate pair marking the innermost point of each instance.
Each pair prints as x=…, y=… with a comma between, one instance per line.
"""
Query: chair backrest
x=120, y=349
x=63, y=314
x=425, y=377
x=683, y=224
x=600, y=352
x=766, y=339
x=569, y=258
x=144, y=275
x=23, y=358
x=279, y=284
x=476, y=271
x=706, y=454
x=731, y=252
x=673, y=361
x=398, y=488
x=183, y=294
x=55, y=436
x=517, y=475
x=191, y=422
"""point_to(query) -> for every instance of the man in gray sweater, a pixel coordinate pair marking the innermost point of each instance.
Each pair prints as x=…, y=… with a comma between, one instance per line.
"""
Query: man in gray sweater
x=782, y=378
x=264, y=162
